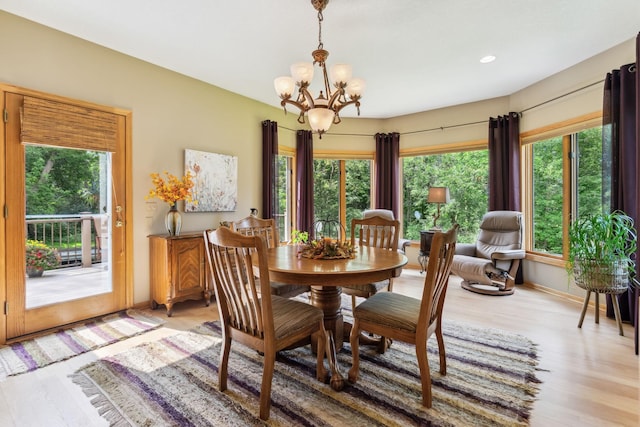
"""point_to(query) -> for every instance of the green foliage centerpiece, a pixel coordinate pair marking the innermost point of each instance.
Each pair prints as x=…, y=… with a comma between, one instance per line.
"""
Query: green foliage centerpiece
x=299, y=237
x=327, y=248
x=601, y=248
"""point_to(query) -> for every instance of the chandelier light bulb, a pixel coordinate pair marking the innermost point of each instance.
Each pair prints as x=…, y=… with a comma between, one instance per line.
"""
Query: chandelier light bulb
x=356, y=87
x=340, y=73
x=285, y=86
x=320, y=119
x=302, y=72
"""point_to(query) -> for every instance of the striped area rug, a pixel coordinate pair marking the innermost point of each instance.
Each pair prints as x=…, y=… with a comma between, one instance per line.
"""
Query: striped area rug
x=35, y=353
x=490, y=381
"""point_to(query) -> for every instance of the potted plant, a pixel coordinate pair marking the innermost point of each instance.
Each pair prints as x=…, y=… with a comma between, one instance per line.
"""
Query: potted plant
x=40, y=257
x=299, y=237
x=601, y=248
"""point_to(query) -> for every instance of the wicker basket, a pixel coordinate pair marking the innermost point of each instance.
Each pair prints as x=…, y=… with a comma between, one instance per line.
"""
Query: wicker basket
x=602, y=278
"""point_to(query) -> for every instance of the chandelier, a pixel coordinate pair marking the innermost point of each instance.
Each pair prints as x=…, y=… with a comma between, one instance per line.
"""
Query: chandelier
x=325, y=109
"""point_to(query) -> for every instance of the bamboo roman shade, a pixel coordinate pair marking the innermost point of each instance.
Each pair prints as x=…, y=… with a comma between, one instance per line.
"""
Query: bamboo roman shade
x=47, y=122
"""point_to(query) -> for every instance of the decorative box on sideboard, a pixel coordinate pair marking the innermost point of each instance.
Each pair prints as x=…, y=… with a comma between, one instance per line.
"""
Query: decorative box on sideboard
x=178, y=270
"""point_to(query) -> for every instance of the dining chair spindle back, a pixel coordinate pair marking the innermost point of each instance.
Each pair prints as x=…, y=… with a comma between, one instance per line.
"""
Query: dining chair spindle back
x=408, y=319
x=252, y=316
x=378, y=232
x=253, y=226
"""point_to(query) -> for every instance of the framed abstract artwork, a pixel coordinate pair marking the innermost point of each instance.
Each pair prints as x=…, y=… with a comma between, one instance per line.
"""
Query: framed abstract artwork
x=215, y=178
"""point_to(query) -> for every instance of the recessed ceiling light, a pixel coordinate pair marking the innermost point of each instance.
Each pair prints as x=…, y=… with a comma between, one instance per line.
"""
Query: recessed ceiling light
x=487, y=59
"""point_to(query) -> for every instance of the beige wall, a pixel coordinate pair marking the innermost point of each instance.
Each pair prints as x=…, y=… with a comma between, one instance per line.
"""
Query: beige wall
x=172, y=112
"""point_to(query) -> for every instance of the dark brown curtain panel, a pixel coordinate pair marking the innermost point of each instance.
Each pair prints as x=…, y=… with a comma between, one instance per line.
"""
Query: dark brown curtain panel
x=504, y=163
x=387, y=175
x=304, y=173
x=504, y=167
x=620, y=142
x=269, y=168
x=637, y=289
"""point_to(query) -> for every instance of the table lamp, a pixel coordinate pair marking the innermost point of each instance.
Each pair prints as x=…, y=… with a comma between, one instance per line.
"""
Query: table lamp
x=438, y=195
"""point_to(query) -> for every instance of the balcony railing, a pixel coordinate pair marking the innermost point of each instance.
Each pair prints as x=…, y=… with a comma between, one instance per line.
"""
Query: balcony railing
x=79, y=239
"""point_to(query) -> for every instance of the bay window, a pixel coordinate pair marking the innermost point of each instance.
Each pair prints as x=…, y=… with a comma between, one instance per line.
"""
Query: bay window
x=563, y=181
x=464, y=172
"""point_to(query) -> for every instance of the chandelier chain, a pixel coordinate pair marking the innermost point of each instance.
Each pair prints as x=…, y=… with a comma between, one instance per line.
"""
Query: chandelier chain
x=320, y=19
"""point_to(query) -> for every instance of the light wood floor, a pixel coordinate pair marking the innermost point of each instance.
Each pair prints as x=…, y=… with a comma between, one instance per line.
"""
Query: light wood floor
x=590, y=375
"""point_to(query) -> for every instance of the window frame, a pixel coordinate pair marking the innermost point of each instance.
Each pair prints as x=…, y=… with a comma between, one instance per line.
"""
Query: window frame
x=343, y=157
x=291, y=213
x=566, y=129
x=457, y=147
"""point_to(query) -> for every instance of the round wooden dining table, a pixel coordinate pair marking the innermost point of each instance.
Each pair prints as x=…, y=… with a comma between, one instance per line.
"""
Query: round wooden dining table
x=326, y=277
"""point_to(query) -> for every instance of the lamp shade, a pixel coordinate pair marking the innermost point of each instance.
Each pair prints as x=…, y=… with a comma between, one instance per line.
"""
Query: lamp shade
x=302, y=72
x=284, y=85
x=438, y=195
x=355, y=87
x=340, y=73
x=320, y=119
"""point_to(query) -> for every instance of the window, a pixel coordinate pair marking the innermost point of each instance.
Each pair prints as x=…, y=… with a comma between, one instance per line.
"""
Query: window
x=326, y=193
x=357, y=190
x=465, y=173
x=342, y=190
x=564, y=182
x=284, y=194
x=547, y=195
x=591, y=195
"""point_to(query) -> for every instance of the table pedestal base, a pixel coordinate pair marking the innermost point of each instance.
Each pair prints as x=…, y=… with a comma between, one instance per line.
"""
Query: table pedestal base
x=329, y=301
x=368, y=265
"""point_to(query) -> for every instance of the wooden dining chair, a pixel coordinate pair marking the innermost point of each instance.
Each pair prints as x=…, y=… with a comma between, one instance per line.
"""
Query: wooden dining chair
x=252, y=316
x=253, y=226
x=408, y=319
x=374, y=231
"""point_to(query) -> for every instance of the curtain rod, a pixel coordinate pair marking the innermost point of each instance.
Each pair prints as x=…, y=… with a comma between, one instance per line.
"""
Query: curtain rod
x=444, y=127
x=441, y=128
x=562, y=96
x=331, y=133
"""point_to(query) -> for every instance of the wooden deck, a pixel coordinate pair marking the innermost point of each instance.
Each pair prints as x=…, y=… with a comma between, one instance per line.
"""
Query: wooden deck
x=66, y=284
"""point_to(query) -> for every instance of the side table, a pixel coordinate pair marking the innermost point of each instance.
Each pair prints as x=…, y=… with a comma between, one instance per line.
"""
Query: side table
x=426, y=237
x=178, y=270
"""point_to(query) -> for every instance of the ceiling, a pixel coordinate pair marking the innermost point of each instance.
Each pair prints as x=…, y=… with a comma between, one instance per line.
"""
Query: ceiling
x=415, y=55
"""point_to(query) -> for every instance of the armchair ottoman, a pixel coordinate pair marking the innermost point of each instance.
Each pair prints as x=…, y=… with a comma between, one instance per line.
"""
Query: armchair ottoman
x=489, y=266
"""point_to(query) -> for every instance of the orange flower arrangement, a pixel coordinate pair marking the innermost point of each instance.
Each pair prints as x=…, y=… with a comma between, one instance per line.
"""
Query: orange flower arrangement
x=171, y=189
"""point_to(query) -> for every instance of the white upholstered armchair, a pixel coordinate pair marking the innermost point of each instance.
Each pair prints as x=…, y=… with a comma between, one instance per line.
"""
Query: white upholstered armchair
x=489, y=266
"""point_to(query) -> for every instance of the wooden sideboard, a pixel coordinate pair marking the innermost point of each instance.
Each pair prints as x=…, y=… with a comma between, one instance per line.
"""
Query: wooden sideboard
x=178, y=270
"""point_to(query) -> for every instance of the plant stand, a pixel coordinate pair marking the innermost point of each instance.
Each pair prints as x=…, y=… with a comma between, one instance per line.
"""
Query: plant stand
x=616, y=310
